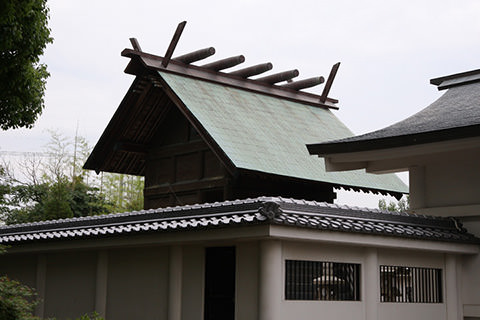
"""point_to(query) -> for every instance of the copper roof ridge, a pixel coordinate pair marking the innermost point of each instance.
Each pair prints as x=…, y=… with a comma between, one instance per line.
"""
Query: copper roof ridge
x=155, y=62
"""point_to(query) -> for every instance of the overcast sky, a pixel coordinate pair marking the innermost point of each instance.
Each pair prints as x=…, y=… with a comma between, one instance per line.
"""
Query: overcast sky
x=389, y=50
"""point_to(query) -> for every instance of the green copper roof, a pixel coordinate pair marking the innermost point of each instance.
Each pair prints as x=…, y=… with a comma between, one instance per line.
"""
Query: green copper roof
x=268, y=134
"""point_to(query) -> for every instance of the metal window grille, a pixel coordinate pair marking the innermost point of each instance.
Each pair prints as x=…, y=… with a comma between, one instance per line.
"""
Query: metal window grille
x=319, y=280
x=410, y=284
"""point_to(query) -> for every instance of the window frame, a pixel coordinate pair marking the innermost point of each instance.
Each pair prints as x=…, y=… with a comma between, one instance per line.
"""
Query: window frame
x=410, y=284
x=307, y=280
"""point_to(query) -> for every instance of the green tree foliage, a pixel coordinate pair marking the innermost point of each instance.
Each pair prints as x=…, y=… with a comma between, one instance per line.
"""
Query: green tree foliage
x=64, y=198
x=124, y=192
x=402, y=205
x=17, y=301
x=24, y=34
x=90, y=316
x=56, y=186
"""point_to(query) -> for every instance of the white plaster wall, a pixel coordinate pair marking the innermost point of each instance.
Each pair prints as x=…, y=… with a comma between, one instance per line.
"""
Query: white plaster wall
x=246, y=307
x=138, y=278
x=137, y=284
x=411, y=258
x=193, y=282
x=70, y=284
x=357, y=309
x=20, y=267
x=411, y=311
x=451, y=179
x=471, y=275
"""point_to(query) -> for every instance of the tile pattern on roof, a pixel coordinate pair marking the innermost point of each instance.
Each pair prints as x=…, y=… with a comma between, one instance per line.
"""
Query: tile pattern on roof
x=459, y=107
x=262, y=210
x=267, y=134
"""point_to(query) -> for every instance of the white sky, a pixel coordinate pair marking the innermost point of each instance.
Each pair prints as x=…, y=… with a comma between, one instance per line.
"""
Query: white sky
x=389, y=51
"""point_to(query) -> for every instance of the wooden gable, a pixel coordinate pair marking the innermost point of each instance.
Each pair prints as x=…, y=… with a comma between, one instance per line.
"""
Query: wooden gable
x=198, y=134
x=180, y=167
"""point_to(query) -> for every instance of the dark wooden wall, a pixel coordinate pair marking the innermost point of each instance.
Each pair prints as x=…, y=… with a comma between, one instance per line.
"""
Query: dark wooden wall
x=180, y=167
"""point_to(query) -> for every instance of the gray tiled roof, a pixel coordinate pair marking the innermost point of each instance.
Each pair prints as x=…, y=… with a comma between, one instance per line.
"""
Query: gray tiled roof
x=262, y=210
x=456, y=114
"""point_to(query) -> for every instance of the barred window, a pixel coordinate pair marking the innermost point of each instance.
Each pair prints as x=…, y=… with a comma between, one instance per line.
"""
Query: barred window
x=319, y=280
x=410, y=284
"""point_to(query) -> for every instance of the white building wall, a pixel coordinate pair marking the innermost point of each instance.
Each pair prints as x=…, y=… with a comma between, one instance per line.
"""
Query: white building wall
x=449, y=179
x=470, y=279
x=370, y=306
x=70, y=284
x=193, y=282
x=413, y=311
x=247, y=281
x=448, y=184
x=314, y=310
x=137, y=283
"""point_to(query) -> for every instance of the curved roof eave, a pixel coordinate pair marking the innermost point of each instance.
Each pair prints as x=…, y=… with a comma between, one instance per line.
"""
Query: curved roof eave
x=455, y=115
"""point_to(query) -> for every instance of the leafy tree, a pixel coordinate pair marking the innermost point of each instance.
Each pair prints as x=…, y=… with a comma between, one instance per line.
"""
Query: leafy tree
x=90, y=316
x=402, y=205
x=49, y=201
x=24, y=34
x=57, y=187
x=17, y=301
x=124, y=192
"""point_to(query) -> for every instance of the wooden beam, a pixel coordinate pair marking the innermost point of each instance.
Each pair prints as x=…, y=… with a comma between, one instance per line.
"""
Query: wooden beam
x=167, y=188
x=329, y=83
x=173, y=43
x=179, y=149
x=152, y=62
x=135, y=44
x=130, y=147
